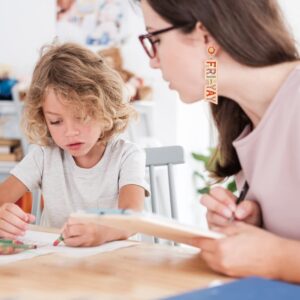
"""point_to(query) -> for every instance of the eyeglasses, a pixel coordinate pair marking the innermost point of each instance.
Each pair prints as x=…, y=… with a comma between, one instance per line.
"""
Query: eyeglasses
x=148, y=42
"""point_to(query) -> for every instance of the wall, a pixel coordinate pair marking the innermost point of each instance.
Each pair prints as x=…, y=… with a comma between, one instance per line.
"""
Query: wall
x=24, y=27
x=291, y=10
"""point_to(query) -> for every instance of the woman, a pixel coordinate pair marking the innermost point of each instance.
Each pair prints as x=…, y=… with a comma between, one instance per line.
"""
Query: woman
x=256, y=116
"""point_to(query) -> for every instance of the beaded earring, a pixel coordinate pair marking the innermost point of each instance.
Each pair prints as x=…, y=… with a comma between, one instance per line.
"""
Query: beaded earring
x=211, y=72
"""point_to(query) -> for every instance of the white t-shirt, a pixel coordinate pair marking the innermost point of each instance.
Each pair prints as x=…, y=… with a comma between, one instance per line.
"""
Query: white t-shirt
x=66, y=187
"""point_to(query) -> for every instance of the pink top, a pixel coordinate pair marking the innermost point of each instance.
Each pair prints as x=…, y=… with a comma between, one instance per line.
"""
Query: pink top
x=270, y=160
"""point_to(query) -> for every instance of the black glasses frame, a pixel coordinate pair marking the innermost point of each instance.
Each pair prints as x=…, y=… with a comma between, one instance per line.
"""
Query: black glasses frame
x=148, y=36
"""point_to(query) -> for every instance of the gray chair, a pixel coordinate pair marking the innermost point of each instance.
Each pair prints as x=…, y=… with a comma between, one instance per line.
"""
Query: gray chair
x=164, y=156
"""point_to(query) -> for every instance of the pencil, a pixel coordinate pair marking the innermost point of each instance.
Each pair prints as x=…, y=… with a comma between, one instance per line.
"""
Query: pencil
x=9, y=242
x=241, y=197
x=24, y=246
x=58, y=240
x=6, y=248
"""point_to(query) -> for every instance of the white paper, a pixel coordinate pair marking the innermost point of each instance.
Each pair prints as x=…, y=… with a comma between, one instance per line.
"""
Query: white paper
x=44, y=242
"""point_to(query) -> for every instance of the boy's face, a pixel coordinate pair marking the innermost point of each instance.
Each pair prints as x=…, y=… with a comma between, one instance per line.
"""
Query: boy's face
x=69, y=132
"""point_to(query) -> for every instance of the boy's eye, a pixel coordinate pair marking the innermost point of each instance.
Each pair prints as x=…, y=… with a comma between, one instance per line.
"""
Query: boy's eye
x=55, y=122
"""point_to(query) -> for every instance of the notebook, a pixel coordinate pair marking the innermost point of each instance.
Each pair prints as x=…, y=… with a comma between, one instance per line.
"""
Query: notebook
x=251, y=288
x=147, y=223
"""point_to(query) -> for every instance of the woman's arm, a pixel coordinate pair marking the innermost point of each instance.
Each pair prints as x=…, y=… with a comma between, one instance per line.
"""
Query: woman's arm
x=289, y=264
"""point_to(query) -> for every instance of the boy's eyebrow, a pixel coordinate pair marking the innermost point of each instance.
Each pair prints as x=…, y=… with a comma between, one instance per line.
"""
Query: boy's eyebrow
x=51, y=113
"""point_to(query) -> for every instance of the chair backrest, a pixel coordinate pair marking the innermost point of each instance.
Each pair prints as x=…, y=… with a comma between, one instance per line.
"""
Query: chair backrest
x=164, y=156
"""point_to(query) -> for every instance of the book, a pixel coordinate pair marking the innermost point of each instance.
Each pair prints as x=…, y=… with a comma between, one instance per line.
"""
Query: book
x=146, y=223
x=9, y=142
x=4, y=149
x=251, y=288
x=10, y=149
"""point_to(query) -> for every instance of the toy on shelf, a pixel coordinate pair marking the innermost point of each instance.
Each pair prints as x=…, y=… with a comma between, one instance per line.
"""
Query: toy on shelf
x=135, y=84
x=6, y=83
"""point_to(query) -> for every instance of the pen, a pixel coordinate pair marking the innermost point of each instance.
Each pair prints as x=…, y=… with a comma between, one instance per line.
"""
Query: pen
x=241, y=197
x=58, y=240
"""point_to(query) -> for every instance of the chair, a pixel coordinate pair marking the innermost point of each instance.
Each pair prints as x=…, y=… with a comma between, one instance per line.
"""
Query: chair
x=164, y=156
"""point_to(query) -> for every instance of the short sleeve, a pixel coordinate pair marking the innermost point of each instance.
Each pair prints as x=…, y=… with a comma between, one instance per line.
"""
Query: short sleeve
x=133, y=168
x=29, y=170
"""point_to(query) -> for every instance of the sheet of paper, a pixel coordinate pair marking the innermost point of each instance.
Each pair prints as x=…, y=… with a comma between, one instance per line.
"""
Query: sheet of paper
x=45, y=240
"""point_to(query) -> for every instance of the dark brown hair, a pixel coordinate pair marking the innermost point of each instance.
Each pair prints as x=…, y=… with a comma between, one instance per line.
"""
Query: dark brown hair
x=253, y=33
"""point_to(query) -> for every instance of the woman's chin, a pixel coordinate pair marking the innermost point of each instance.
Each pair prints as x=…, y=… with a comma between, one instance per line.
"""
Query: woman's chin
x=188, y=99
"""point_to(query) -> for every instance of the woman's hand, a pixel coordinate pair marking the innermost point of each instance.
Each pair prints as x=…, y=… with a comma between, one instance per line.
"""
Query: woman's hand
x=13, y=221
x=246, y=251
x=86, y=235
x=221, y=207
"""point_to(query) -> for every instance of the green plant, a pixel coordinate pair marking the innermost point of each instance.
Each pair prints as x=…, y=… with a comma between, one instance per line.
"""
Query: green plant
x=202, y=180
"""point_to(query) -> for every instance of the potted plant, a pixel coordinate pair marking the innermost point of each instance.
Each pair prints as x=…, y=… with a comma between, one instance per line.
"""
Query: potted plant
x=203, y=182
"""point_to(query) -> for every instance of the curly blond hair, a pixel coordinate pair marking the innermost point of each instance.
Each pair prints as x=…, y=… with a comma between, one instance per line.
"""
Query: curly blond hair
x=85, y=83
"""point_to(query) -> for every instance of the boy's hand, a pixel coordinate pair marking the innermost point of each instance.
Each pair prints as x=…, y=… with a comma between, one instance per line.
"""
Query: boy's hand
x=221, y=207
x=83, y=235
x=13, y=221
x=86, y=235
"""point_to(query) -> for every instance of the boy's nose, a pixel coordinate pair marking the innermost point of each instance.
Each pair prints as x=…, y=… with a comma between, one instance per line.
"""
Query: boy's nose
x=71, y=131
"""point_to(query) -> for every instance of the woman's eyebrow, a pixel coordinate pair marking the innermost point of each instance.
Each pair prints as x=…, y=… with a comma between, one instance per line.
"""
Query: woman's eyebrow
x=149, y=28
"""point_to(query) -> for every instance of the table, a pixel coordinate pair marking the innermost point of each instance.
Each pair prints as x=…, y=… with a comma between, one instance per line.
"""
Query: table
x=143, y=271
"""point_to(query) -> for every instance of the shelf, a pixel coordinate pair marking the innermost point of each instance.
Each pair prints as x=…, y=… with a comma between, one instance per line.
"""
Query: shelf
x=6, y=166
x=7, y=107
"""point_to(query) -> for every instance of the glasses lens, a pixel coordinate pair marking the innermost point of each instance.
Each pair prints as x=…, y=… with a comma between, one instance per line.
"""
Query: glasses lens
x=149, y=47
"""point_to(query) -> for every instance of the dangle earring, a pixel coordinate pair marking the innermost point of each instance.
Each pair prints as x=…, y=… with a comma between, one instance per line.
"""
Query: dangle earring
x=211, y=72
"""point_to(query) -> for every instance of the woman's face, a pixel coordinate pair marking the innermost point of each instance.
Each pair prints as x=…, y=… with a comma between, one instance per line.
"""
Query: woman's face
x=179, y=56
